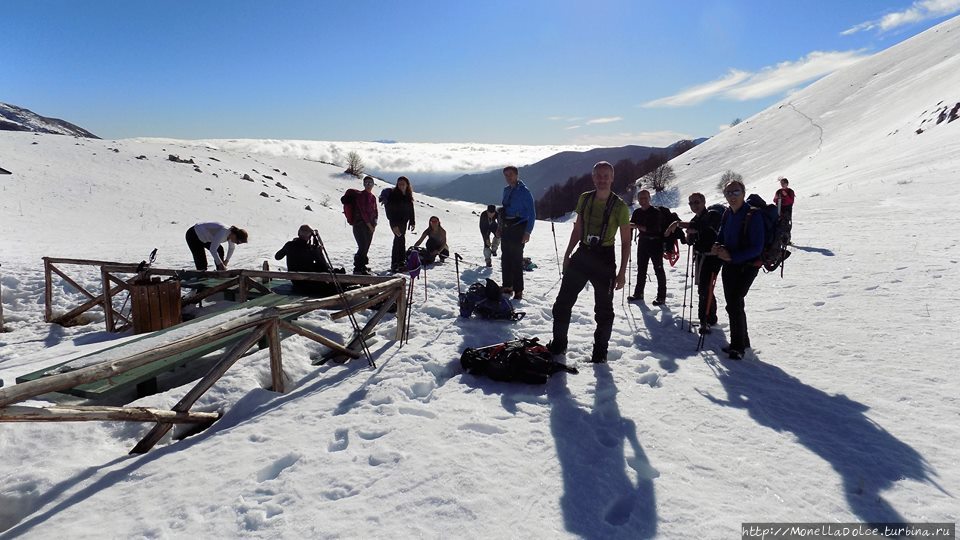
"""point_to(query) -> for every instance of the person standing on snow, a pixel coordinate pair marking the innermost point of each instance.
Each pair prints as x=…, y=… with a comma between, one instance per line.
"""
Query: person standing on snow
x=740, y=242
x=702, y=234
x=489, y=225
x=784, y=198
x=650, y=225
x=601, y=215
x=210, y=236
x=399, y=209
x=364, y=226
x=516, y=224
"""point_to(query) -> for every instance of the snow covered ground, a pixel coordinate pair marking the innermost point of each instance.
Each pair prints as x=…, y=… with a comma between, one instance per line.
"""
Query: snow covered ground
x=846, y=410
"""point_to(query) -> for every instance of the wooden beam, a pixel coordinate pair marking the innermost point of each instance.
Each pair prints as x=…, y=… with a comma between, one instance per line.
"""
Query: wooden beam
x=349, y=279
x=309, y=334
x=88, y=262
x=125, y=414
x=104, y=370
x=276, y=360
x=86, y=306
x=362, y=305
x=72, y=282
x=333, y=300
x=107, y=301
x=200, y=295
x=161, y=429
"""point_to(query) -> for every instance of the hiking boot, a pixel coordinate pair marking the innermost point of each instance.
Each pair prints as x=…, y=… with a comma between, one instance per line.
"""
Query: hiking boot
x=659, y=302
x=493, y=252
x=518, y=295
x=635, y=298
x=489, y=264
x=506, y=291
x=598, y=357
x=735, y=354
x=704, y=329
x=556, y=348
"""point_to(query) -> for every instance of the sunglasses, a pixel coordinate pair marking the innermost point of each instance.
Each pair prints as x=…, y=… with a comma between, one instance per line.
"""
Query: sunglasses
x=733, y=193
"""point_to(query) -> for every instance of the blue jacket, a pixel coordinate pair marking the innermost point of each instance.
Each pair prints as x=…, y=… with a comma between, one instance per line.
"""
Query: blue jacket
x=743, y=246
x=518, y=204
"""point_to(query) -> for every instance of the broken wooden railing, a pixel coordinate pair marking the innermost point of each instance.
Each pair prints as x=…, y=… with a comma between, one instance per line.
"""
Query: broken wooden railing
x=266, y=323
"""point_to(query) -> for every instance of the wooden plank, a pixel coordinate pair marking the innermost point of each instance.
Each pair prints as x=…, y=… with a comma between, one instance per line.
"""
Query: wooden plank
x=161, y=429
x=309, y=334
x=60, y=413
x=153, y=296
x=200, y=295
x=89, y=262
x=276, y=360
x=86, y=306
x=347, y=279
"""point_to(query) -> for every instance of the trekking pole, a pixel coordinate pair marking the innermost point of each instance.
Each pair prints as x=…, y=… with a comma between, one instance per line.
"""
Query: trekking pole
x=686, y=276
x=710, y=299
x=556, y=249
x=456, y=263
x=343, y=300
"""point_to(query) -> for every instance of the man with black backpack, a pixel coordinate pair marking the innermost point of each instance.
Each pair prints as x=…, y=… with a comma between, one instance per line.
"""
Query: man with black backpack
x=601, y=214
x=651, y=223
x=360, y=207
x=701, y=235
x=739, y=245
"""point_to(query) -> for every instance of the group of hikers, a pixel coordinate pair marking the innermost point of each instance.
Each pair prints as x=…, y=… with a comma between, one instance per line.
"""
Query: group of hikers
x=724, y=240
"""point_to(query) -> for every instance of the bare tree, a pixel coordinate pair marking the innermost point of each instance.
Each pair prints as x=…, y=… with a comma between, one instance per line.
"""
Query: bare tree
x=735, y=121
x=727, y=177
x=354, y=164
x=659, y=178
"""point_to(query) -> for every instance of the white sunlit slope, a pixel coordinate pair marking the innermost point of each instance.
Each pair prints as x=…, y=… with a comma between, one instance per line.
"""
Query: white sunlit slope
x=846, y=409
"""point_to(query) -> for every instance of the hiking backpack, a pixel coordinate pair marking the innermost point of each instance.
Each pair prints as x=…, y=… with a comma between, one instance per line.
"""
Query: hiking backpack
x=522, y=360
x=385, y=195
x=349, y=201
x=774, y=232
x=488, y=302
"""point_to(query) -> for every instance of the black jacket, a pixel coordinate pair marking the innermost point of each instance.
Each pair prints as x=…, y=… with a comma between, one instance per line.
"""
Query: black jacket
x=706, y=224
x=399, y=209
x=487, y=225
x=302, y=257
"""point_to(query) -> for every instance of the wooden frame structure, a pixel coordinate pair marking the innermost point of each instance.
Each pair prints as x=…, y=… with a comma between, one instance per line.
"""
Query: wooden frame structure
x=267, y=323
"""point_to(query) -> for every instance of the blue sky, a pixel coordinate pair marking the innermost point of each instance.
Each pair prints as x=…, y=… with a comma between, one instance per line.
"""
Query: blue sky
x=524, y=72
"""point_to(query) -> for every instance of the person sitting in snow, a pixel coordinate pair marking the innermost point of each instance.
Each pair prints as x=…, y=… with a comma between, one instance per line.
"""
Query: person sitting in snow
x=210, y=236
x=436, y=237
x=303, y=254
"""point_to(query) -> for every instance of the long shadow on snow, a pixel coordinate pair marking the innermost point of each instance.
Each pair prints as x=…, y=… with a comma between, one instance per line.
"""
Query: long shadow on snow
x=600, y=499
x=821, y=251
x=254, y=404
x=867, y=457
x=662, y=337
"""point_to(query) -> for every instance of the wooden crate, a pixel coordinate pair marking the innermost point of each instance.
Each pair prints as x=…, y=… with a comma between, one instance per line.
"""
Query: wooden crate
x=156, y=305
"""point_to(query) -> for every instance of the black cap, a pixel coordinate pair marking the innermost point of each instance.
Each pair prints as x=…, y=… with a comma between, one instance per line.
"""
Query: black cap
x=491, y=208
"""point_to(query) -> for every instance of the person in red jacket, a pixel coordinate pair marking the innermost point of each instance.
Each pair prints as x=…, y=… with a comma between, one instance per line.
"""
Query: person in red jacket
x=784, y=198
x=363, y=227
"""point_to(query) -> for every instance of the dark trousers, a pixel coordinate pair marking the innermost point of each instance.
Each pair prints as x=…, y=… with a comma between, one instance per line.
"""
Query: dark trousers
x=737, y=279
x=398, y=255
x=199, y=249
x=707, y=269
x=786, y=215
x=364, y=236
x=598, y=266
x=650, y=250
x=511, y=256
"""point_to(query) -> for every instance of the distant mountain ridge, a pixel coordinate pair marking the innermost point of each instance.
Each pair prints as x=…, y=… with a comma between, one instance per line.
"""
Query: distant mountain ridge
x=13, y=118
x=487, y=187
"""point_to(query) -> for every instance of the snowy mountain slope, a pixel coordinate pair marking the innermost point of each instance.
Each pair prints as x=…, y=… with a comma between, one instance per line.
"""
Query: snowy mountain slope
x=845, y=411
x=13, y=118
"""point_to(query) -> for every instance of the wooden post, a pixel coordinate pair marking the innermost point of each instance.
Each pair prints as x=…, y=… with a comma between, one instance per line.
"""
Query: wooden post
x=401, y=311
x=48, y=291
x=276, y=362
x=1, y=302
x=107, y=301
x=161, y=429
x=242, y=286
x=309, y=334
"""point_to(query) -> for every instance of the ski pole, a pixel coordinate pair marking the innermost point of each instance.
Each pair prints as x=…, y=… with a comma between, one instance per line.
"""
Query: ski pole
x=456, y=264
x=343, y=299
x=556, y=249
x=713, y=282
x=686, y=276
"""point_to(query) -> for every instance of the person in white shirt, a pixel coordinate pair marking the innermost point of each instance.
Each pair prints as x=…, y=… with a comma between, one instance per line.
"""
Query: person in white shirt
x=204, y=237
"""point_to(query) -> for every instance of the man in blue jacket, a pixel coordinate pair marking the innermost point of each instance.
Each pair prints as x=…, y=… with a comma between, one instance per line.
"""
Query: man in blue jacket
x=740, y=242
x=516, y=224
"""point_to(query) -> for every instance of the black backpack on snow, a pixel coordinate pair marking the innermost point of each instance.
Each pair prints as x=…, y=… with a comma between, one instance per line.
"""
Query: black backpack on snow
x=775, y=234
x=488, y=302
x=522, y=360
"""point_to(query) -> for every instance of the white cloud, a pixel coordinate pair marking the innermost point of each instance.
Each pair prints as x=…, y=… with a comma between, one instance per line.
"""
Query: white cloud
x=604, y=120
x=645, y=138
x=920, y=10
x=572, y=127
x=771, y=80
x=564, y=118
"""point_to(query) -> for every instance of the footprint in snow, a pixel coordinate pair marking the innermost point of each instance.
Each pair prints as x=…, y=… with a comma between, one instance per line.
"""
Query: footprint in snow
x=818, y=304
x=272, y=471
x=485, y=429
x=341, y=440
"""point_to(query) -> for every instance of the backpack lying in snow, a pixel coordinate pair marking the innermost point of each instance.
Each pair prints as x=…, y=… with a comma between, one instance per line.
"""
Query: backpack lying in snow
x=488, y=302
x=522, y=360
x=775, y=233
